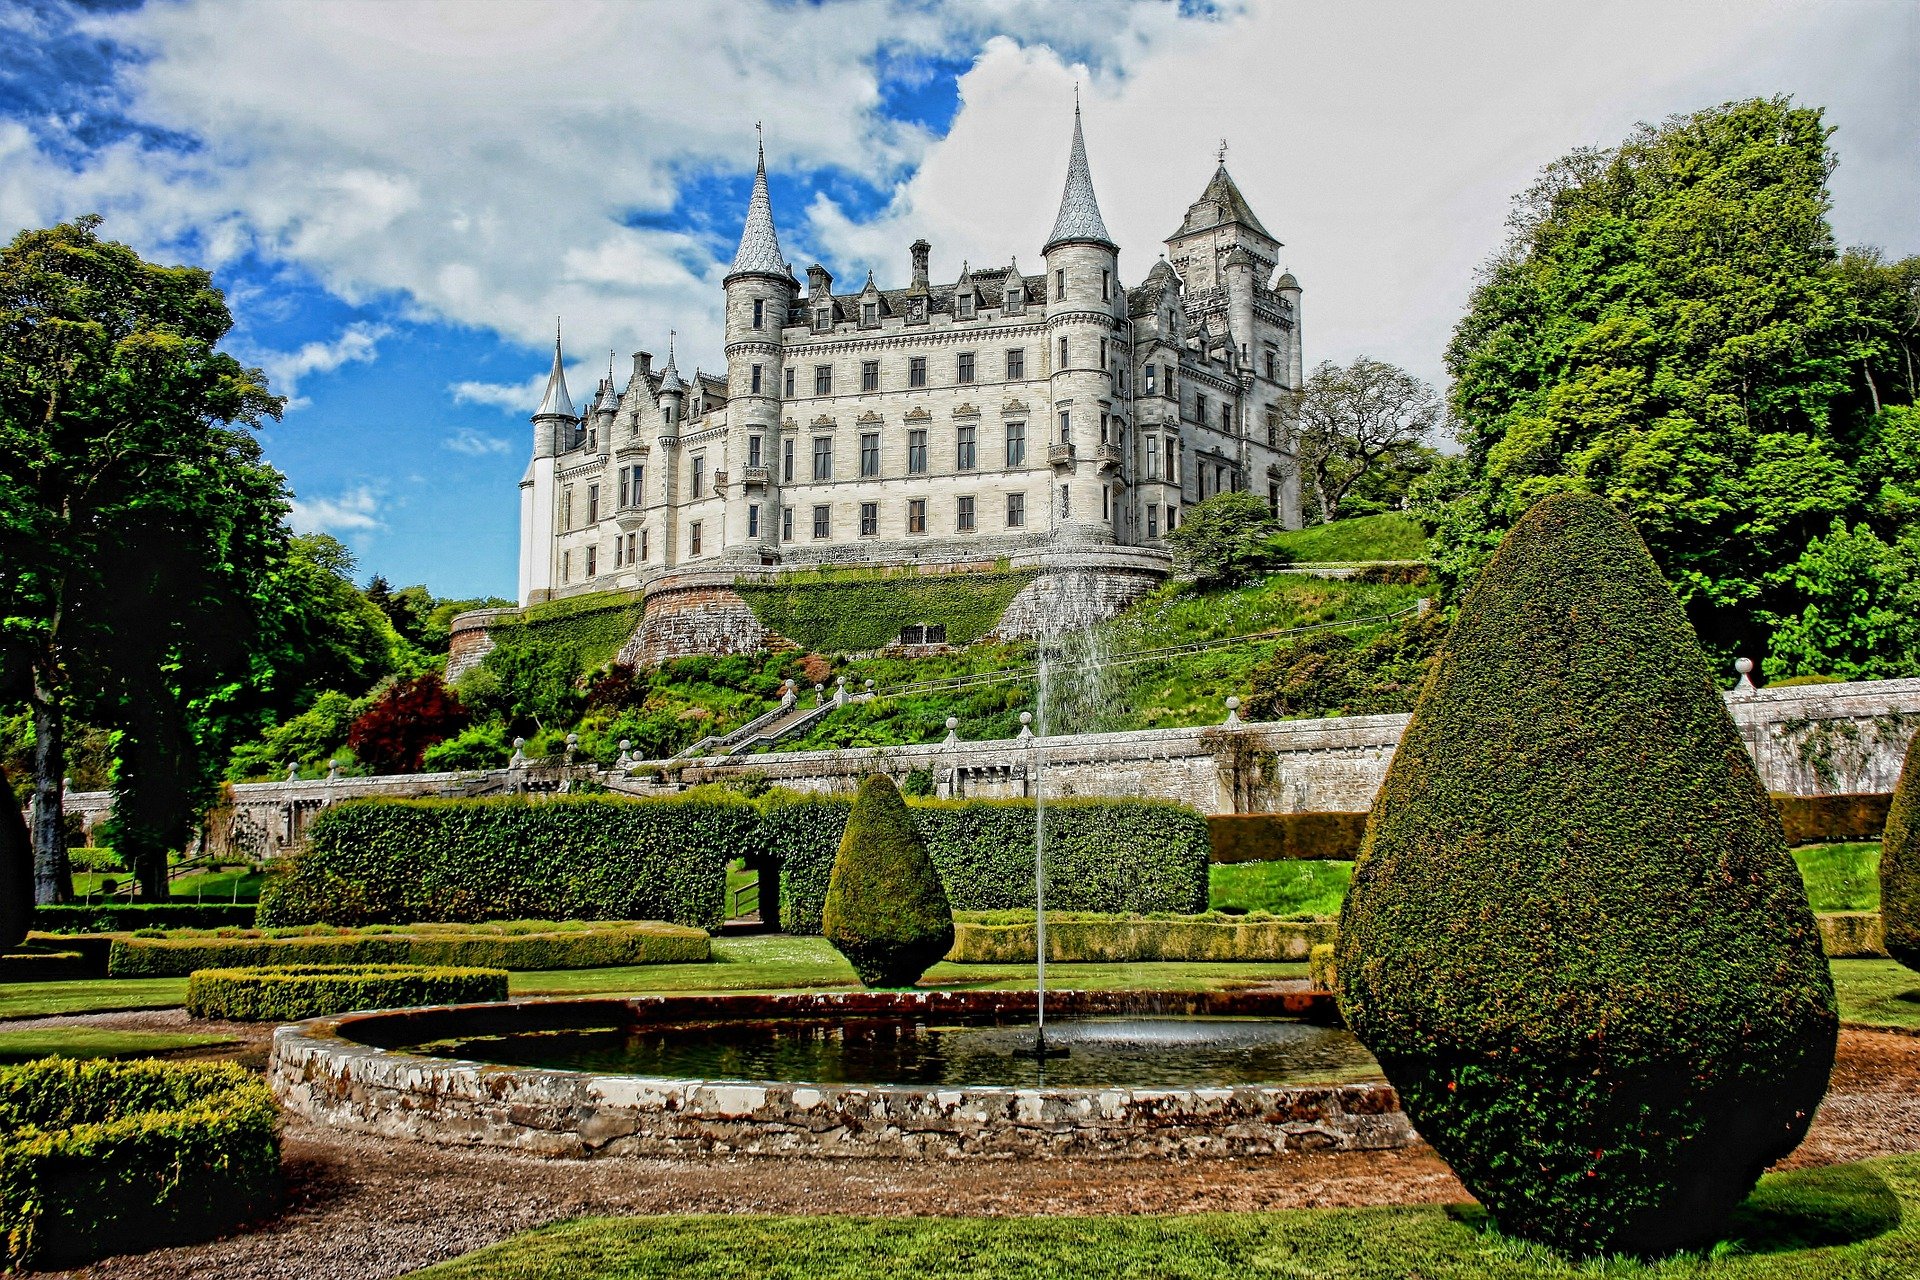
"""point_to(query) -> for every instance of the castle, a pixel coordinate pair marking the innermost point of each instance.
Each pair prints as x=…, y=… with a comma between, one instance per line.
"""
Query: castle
x=1002, y=414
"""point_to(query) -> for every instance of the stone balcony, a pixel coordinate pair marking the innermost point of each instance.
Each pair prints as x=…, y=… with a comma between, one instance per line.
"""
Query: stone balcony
x=752, y=477
x=1060, y=455
x=1108, y=456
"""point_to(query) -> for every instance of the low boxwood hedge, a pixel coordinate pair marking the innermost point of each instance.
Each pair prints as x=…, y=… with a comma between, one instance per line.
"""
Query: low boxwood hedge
x=293, y=992
x=518, y=945
x=1277, y=837
x=99, y=1156
x=1125, y=856
x=561, y=858
x=1008, y=937
x=124, y=917
x=1833, y=819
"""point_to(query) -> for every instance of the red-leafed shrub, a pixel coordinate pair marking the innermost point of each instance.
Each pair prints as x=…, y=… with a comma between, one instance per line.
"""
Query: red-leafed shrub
x=409, y=717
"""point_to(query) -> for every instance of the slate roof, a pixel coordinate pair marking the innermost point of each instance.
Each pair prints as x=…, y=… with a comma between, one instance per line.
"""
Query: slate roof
x=759, y=251
x=1221, y=203
x=556, y=402
x=1079, y=216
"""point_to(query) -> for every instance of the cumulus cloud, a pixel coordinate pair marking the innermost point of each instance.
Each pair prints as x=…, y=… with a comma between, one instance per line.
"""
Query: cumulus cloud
x=353, y=511
x=474, y=443
x=358, y=343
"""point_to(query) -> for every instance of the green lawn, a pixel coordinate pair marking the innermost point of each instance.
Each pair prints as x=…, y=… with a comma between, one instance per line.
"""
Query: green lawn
x=1383, y=537
x=96, y=1042
x=1841, y=877
x=89, y=995
x=1870, y=992
x=200, y=886
x=1849, y=1222
x=1280, y=888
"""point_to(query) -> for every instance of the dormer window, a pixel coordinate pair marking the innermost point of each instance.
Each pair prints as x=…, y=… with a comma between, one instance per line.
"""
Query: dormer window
x=917, y=309
x=822, y=319
x=869, y=314
x=1014, y=300
x=965, y=305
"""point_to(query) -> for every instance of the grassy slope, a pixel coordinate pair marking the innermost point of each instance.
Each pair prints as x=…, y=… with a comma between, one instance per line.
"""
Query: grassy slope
x=1841, y=877
x=1384, y=537
x=95, y=1042
x=1849, y=1222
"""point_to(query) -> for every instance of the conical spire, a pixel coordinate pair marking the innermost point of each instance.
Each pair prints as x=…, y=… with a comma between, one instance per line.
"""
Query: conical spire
x=670, y=383
x=556, y=403
x=759, y=252
x=1079, y=217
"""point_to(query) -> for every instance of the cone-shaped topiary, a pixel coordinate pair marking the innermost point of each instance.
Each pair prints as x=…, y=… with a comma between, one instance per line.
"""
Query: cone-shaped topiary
x=1900, y=864
x=886, y=911
x=1575, y=940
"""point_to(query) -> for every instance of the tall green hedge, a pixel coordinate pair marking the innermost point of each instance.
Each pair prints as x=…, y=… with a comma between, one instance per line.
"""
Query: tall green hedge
x=118, y=917
x=1575, y=940
x=1900, y=864
x=97, y=1157
x=566, y=858
x=319, y=990
x=1136, y=856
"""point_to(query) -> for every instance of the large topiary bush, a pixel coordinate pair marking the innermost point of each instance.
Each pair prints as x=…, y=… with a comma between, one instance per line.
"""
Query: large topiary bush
x=885, y=910
x=1900, y=864
x=1575, y=940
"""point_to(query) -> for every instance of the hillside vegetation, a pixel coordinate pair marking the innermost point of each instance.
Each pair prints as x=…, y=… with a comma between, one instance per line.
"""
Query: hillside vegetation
x=1389, y=536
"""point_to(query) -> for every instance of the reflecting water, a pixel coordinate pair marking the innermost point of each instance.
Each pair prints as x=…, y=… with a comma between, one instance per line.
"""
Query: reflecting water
x=1129, y=1051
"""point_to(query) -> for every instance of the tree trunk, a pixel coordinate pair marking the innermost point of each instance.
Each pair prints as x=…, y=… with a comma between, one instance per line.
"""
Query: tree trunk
x=150, y=877
x=52, y=876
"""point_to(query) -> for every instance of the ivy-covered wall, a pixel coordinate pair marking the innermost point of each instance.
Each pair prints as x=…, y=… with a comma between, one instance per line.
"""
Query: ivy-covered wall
x=845, y=610
x=592, y=627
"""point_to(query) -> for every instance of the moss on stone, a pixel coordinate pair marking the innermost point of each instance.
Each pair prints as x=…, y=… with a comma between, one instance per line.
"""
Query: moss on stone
x=885, y=910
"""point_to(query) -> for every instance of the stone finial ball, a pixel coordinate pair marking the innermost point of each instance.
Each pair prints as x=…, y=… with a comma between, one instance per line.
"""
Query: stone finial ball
x=573, y=739
x=1233, y=703
x=626, y=744
x=1743, y=665
x=519, y=743
x=953, y=722
x=1026, y=717
x=869, y=684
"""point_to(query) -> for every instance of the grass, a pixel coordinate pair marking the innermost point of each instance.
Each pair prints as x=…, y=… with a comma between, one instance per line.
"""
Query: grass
x=89, y=995
x=1871, y=992
x=1848, y=1222
x=200, y=886
x=1281, y=888
x=1391, y=536
x=96, y=1042
x=1841, y=877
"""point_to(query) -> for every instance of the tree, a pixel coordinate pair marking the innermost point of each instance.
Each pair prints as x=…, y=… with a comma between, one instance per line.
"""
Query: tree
x=403, y=722
x=1575, y=940
x=1356, y=421
x=137, y=522
x=1900, y=864
x=16, y=877
x=1222, y=539
x=885, y=910
x=1671, y=326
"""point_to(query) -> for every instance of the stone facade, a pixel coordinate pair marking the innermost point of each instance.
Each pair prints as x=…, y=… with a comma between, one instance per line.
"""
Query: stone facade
x=995, y=415
x=321, y=1070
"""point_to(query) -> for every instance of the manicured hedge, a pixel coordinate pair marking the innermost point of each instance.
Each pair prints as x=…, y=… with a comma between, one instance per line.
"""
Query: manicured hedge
x=317, y=990
x=1852, y=935
x=1097, y=938
x=1276, y=837
x=1833, y=819
x=1321, y=973
x=566, y=858
x=885, y=910
x=98, y=1157
x=1129, y=856
x=1900, y=863
x=522, y=945
x=124, y=917
x=45, y=966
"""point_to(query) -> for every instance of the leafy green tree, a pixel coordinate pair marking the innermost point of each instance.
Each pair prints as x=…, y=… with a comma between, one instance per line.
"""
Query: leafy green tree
x=137, y=521
x=1222, y=540
x=1575, y=940
x=1671, y=326
x=1358, y=422
x=886, y=910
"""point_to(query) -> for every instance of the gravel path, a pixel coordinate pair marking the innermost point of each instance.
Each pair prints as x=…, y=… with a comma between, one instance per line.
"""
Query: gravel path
x=361, y=1208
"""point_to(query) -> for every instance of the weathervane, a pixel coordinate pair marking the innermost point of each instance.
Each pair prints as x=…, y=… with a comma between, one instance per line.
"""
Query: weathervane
x=1222, y=157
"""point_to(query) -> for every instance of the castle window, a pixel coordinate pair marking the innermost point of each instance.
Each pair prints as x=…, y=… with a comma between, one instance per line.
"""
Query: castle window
x=1273, y=429
x=1103, y=353
x=1273, y=498
x=869, y=314
x=1153, y=457
x=916, y=515
x=963, y=367
x=1106, y=286
x=619, y=545
x=869, y=454
x=1153, y=519
x=1066, y=502
x=566, y=566
x=786, y=524
x=786, y=461
x=625, y=487
x=917, y=371
x=965, y=303
x=753, y=519
x=963, y=448
x=1066, y=426
x=821, y=516
x=1012, y=302
x=917, y=309
x=1103, y=428
x=869, y=375
x=593, y=504
x=1173, y=517
x=1016, y=364
x=1106, y=504
x=789, y=384
x=1016, y=510
x=693, y=538
x=643, y=544
x=566, y=507
x=1016, y=444
x=753, y=451
x=593, y=438
x=759, y=313
x=633, y=540
x=699, y=475
x=1273, y=360
x=823, y=319
x=823, y=379
x=1060, y=285
x=1149, y=379
x=916, y=453
x=593, y=561
x=869, y=519
x=1063, y=353
x=756, y=379
x=963, y=515
x=823, y=457
x=1169, y=379
x=1172, y=471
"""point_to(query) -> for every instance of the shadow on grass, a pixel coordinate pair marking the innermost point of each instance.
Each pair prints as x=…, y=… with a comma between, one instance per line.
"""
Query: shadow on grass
x=1787, y=1213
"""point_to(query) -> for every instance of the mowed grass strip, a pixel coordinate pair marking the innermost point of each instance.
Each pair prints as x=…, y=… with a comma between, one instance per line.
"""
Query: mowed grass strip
x=97, y=1042
x=1849, y=1222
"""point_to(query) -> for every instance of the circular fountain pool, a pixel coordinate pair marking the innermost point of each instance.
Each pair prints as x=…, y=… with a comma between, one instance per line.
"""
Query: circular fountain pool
x=862, y=1073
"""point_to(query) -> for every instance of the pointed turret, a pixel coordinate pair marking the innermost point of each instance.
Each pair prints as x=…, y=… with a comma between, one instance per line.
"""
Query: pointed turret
x=670, y=384
x=759, y=252
x=1079, y=217
x=556, y=403
x=1221, y=202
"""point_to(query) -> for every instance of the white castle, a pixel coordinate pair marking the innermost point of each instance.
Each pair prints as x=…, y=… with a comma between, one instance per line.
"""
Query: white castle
x=999, y=415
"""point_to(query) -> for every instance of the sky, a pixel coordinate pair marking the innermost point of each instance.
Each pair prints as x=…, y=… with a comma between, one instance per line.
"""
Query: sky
x=400, y=197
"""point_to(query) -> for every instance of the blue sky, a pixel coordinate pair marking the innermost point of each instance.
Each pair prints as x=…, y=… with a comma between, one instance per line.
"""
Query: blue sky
x=399, y=197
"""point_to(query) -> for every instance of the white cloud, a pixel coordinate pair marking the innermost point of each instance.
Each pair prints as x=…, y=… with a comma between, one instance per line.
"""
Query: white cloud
x=473, y=443
x=358, y=343
x=354, y=511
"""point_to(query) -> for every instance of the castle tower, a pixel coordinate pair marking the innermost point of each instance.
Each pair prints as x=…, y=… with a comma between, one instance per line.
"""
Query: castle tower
x=553, y=427
x=673, y=405
x=1084, y=307
x=760, y=290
